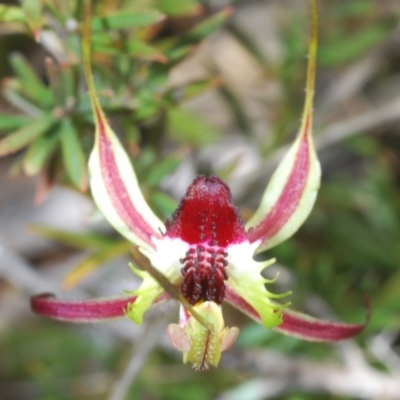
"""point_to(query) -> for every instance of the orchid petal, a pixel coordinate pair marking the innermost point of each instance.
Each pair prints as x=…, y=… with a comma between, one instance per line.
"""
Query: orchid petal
x=81, y=311
x=84, y=311
x=164, y=261
x=300, y=325
x=178, y=338
x=305, y=327
x=292, y=190
x=246, y=281
x=113, y=180
x=145, y=295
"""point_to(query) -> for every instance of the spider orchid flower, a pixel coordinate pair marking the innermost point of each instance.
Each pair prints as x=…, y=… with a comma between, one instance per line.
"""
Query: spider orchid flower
x=203, y=255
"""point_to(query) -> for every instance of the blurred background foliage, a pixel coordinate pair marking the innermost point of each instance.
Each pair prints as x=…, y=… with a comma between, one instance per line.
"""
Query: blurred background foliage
x=201, y=87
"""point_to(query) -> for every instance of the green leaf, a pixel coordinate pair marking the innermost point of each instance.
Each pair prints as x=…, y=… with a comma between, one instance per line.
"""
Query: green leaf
x=33, y=14
x=160, y=170
x=62, y=82
x=68, y=81
x=11, y=14
x=165, y=205
x=195, y=89
x=209, y=26
x=11, y=92
x=105, y=44
x=136, y=48
x=190, y=128
x=354, y=8
x=31, y=85
x=55, y=82
x=149, y=103
x=17, y=140
x=38, y=153
x=179, y=8
x=73, y=156
x=131, y=134
x=348, y=47
x=176, y=50
x=126, y=19
x=177, y=53
x=11, y=122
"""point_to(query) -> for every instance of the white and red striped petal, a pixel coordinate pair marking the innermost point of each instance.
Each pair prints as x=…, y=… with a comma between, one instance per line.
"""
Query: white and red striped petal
x=97, y=310
x=300, y=325
x=292, y=190
x=84, y=311
x=113, y=181
x=116, y=191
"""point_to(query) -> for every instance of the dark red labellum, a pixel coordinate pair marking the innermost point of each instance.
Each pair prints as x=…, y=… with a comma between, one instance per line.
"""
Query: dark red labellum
x=209, y=222
x=207, y=215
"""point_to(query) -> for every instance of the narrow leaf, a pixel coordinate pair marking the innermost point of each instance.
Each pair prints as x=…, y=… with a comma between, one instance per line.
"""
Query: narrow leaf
x=188, y=127
x=104, y=44
x=12, y=14
x=68, y=81
x=38, y=153
x=195, y=89
x=209, y=26
x=17, y=140
x=179, y=8
x=11, y=92
x=292, y=191
x=160, y=170
x=73, y=156
x=11, y=122
x=32, y=85
x=139, y=49
x=33, y=15
x=176, y=50
x=55, y=81
x=165, y=204
x=127, y=19
x=113, y=181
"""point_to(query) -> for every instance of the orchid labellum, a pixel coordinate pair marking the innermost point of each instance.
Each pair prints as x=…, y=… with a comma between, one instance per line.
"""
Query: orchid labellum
x=203, y=255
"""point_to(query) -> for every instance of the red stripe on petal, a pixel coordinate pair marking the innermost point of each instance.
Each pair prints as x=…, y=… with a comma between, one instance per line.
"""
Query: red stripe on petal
x=308, y=328
x=237, y=301
x=117, y=190
x=84, y=310
x=291, y=194
x=80, y=311
x=303, y=326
